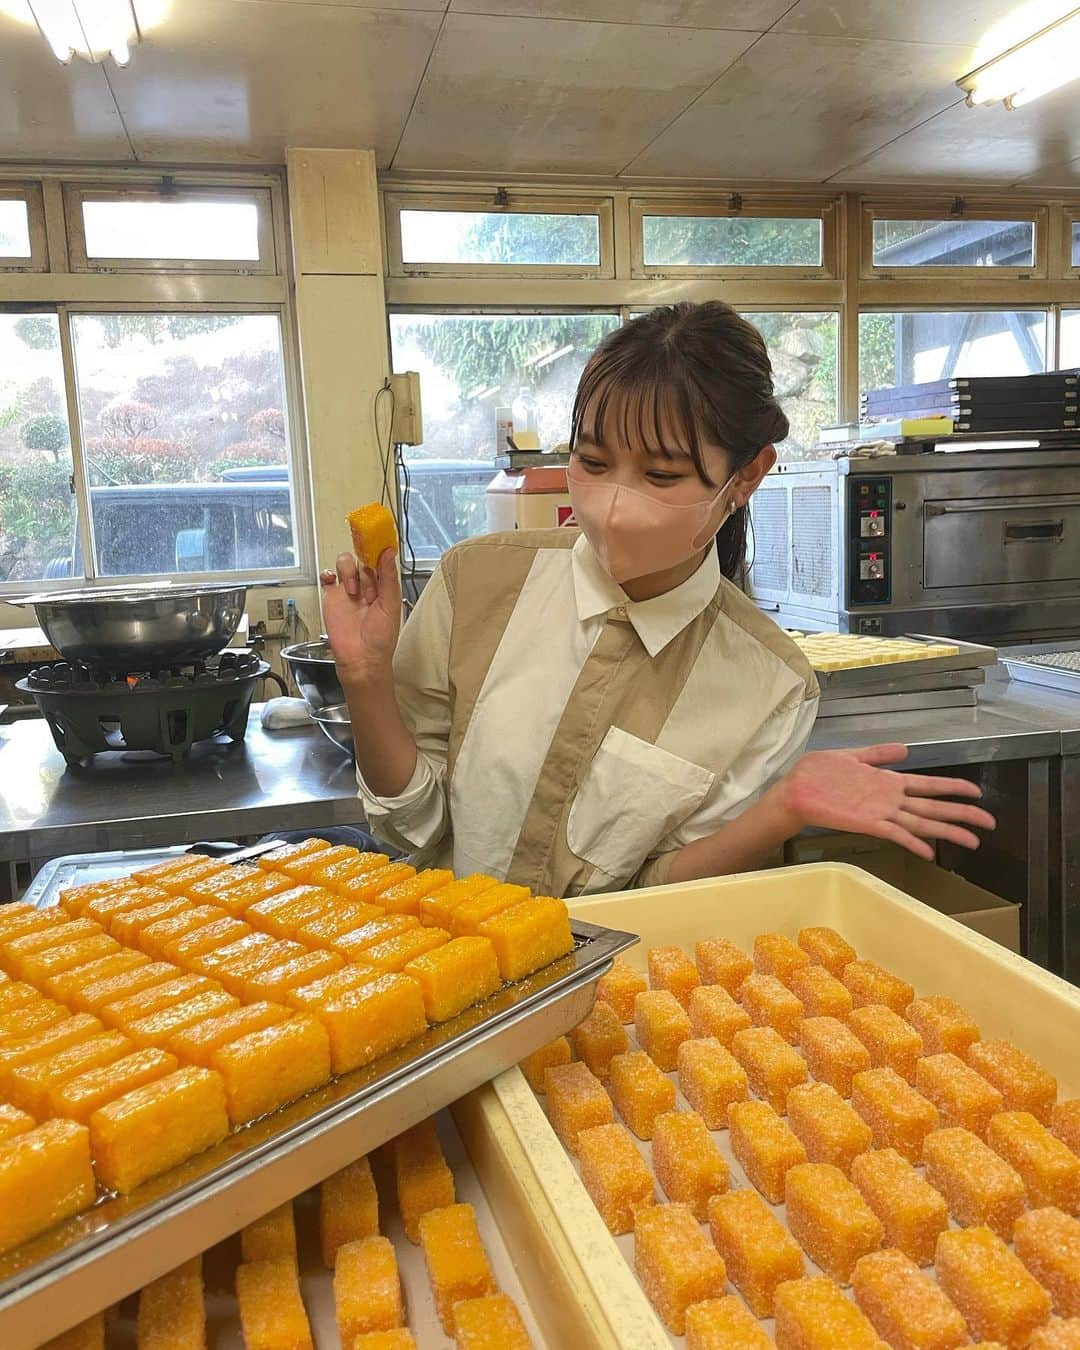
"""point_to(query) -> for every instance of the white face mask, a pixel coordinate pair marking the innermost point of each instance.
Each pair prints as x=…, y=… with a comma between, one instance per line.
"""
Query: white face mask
x=635, y=533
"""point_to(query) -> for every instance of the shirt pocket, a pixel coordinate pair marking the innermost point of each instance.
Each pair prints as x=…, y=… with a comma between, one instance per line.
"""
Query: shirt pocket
x=632, y=795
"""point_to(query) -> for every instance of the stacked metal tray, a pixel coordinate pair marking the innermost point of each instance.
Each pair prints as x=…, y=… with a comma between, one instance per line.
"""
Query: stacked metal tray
x=908, y=686
x=121, y=1243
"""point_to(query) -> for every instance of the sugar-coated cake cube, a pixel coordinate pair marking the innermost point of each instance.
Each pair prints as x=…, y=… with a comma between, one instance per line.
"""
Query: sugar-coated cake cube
x=20, y=917
x=599, y=1038
x=1022, y=1081
x=45, y=1177
x=196, y=1044
x=368, y=1020
x=367, y=1288
x=825, y=947
x=1057, y=1334
x=272, y=1315
x=79, y=1097
x=533, y=1066
x=619, y=987
x=771, y=1065
x=1065, y=1123
x=491, y=1323
x=688, y=1165
x=16, y=951
x=421, y=1176
x=265, y=1069
x=962, y=1096
x=660, y=1025
x=764, y=1146
x=979, y=1187
x=73, y=899
x=401, y=1338
x=640, y=1091
x=676, y=1264
x=813, y=1314
x=898, y=1116
x=833, y=1053
x=13, y=1122
x=710, y=1078
x=998, y=1298
x=395, y=953
x=274, y=983
x=403, y=897
x=374, y=532
x=907, y=1309
x=271, y=1237
x=722, y=962
x=455, y=975
x=348, y=1208
x=529, y=935
x=1047, y=1240
x=157, y=1126
x=575, y=1100
x=615, y=1174
x=772, y=1004
x=820, y=993
x=723, y=1324
x=911, y=1211
x=826, y=1126
x=890, y=1042
x=714, y=1013
x=1050, y=1170
x=871, y=983
x=86, y=1335
x=30, y=1086
x=437, y=906
x=172, y=1310
x=457, y=1264
x=944, y=1026
x=775, y=954
x=466, y=918
x=829, y=1218
x=758, y=1251
x=670, y=968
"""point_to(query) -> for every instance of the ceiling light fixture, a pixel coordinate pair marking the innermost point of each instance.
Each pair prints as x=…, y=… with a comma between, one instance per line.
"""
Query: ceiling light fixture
x=1033, y=66
x=92, y=29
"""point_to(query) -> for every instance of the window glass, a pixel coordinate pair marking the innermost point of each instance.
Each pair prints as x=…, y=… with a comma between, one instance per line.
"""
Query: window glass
x=204, y=230
x=14, y=228
x=804, y=350
x=507, y=237
x=37, y=506
x=1076, y=243
x=954, y=243
x=185, y=436
x=908, y=348
x=731, y=241
x=1070, y=339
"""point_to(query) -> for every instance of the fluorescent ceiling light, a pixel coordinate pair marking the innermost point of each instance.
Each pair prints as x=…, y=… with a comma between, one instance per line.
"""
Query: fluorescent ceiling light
x=92, y=29
x=1034, y=65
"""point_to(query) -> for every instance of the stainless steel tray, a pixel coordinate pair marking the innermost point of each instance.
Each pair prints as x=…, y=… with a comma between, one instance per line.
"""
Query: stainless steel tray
x=1033, y=670
x=897, y=701
x=121, y=1243
x=894, y=676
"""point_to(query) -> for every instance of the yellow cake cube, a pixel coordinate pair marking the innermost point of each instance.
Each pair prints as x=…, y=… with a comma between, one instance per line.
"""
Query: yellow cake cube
x=813, y=1314
x=36, y=1016
x=272, y=1315
x=283, y=913
x=615, y=1174
x=172, y=1311
x=890, y=1042
x=277, y=857
x=156, y=936
x=1048, y=1242
x=758, y=1251
x=45, y=1177
x=1050, y=1170
x=113, y=988
x=670, y=968
x=158, y=1028
x=660, y=1026
x=619, y=987
x=576, y=1100
x=104, y=907
x=127, y=925
x=395, y=953
x=369, y=887
x=899, y=1117
x=367, y=1020
x=157, y=1126
x=68, y=986
x=722, y=962
x=174, y=874
x=79, y=1097
x=491, y=1323
x=19, y=917
x=904, y=1306
x=764, y=1146
x=455, y=975
x=13, y=1122
x=1057, y=1334
x=421, y=1176
x=710, y=1078
x=271, y=1237
x=827, y=1127
x=367, y=1289
x=403, y=897
x=31, y=1086
x=337, y=865
x=911, y=1211
x=46, y=1041
x=457, y=1264
x=821, y=994
x=723, y=1324
x=980, y=1187
x=437, y=906
x=772, y=1066
x=14, y=950
x=832, y=1052
x=86, y=1335
x=870, y=983
x=1065, y=1123
x=529, y=936
x=351, y=926
x=829, y=1218
x=772, y=1004
x=714, y=1013
x=777, y=955
x=1022, y=1081
x=676, y=1264
x=963, y=1097
x=268, y=1068
x=599, y=1038
x=37, y=967
x=688, y=1165
x=302, y=866
x=944, y=1026
x=373, y=531
x=242, y=885
x=195, y=1044
x=220, y=933
x=640, y=1090
x=997, y=1297
x=825, y=947
x=348, y=1208
x=555, y=1052
x=466, y=918
x=73, y=899
x=273, y=983
x=401, y=1338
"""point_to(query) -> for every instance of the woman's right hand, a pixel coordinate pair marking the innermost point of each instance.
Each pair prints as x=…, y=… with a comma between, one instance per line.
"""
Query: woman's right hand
x=362, y=614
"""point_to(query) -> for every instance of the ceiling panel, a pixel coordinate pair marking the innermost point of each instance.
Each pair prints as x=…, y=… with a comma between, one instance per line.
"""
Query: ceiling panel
x=436, y=5
x=217, y=83
x=801, y=108
x=50, y=111
x=962, y=22
x=754, y=15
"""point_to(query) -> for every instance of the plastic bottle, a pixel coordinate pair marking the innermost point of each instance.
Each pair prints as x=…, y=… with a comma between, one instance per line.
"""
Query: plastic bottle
x=524, y=412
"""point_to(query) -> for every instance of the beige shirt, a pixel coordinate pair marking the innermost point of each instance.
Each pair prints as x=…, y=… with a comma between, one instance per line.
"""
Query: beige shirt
x=572, y=740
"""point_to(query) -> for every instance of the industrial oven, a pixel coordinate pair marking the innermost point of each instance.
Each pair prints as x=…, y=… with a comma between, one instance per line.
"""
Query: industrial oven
x=973, y=544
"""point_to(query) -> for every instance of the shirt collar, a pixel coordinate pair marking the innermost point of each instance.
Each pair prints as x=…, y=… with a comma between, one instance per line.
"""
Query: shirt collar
x=655, y=621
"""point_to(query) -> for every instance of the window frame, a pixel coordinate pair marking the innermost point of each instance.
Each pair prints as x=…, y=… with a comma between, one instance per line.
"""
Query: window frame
x=942, y=209
x=1071, y=221
x=517, y=203
x=30, y=194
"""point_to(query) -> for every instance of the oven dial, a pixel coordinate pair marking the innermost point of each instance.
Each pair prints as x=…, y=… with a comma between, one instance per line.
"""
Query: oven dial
x=872, y=526
x=871, y=569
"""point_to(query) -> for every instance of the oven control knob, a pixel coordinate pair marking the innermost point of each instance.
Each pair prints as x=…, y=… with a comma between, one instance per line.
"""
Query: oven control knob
x=871, y=569
x=872, y=527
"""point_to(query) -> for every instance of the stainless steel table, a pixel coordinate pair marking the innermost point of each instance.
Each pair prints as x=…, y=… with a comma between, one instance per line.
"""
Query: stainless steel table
x=273, y=780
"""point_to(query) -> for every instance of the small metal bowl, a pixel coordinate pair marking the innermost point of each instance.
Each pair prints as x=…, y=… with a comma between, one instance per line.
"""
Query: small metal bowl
x=335, y=725
x=312, y=667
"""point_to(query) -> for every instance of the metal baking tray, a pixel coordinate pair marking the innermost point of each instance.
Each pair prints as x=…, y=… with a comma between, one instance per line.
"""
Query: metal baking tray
x=901, y=700
x=121, y=1243
x=895, y=675
x=1045, y=670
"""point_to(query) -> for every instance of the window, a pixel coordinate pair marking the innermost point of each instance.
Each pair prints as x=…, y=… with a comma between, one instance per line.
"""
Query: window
x=14, y=228
x=185, y=440
x=1070, y=339
x=730, y=241
x=510, y=237
x=1076, y=243
x=953, y=243
x=804, y=350
x=909, y=347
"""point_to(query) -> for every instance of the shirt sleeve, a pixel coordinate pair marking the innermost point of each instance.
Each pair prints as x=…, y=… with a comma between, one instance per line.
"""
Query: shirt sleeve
x=418, y=818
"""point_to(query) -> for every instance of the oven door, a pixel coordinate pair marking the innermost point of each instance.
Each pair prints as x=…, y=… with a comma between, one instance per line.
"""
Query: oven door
x=995, y=541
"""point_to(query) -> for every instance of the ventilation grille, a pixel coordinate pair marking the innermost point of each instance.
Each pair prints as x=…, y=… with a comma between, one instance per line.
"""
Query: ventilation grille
x=771, y=542
x=813, y=560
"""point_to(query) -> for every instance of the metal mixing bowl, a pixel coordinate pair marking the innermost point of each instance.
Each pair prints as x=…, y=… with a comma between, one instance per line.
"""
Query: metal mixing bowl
x=312, y=667
x=335, y=726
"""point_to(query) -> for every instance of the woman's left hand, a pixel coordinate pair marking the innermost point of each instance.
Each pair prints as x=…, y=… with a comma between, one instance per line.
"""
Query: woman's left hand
x=850, y=790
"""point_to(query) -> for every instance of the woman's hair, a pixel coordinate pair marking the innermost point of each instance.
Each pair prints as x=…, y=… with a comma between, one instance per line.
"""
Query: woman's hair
x=702, y=372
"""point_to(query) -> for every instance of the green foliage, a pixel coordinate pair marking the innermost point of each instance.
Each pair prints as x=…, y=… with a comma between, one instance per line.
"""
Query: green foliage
x=35, y=516
x=877, y=350
x=47, y=431
x=138, y=459
x=120, y=328
x=39, y=331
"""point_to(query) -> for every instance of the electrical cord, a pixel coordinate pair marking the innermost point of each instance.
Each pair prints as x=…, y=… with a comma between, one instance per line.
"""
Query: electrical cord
x=392, y=454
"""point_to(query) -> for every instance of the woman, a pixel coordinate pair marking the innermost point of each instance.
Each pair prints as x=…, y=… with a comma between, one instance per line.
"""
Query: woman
x=595, y=711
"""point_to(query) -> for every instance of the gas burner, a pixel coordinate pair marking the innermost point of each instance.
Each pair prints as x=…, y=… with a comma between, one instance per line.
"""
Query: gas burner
x=78, y=677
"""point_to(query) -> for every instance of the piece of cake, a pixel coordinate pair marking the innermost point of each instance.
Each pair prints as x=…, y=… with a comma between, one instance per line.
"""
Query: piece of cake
x=660, y=1026
x=455, y=975
x=829, y=1218
x=1050, y=1170
x=599, y=1038
x=670, y=968
x=723, y=1324
x=175, y=874
x=1057, y=1334
x=826, y=1126
x=367, y=1020
x=870, y=983
x=533, y=1066
x=1047, y=1240
x=764, y=1146
x=944, y=1026
x=45, y=1177
x=759, y=1253
x=1022, y=1081
x=244, y=889
x=1065, y=1123
x=403, y=897
x=813, y=1314
x=466, y=918
x=423, y=1180
x=999, y=1299
x=272, y=1315
x=963, y=1097
x=710, y=1078
x=348, y=1208
x=13, y=1122
x=491, y=1323
x=576, y=1100
x=979, y=1187
x=615, y=1174
x=284, y=914
x=132, y=1007
x=721, y=962
x=89, y=1334
x=714, y=1013
x=67, y=986
x=274, y=858
x=772, y=1004
x=367, y=1288
x=911, y=1211
x=529, y=936
x=457, y=1265
x=158, y=1028
x=777, y=955
x=687, y=1162
x=374, y=531
x=832, y=1051
x=156, y=936
x=349, y=928
x=640, y=1091
x=898, y=1116
x=172, y=1311
x=301, y=866
x=79, y=1097
x=31, y=1086
x=676, y=1264
x=890, y=1042
x=333, y=872
x=274, y=983
x=772, y=1066
x=825, y=947
x=38, y=968
x=820, y=993
x=619, y=987
x=271, y=1237
x=401, y=1338
x=437, y=906
x=265, y=1069
x=113, y=988
x=394, y=953
x=47, y=1041
x=369, y=887
x=907, y=1309
x=196, y=1044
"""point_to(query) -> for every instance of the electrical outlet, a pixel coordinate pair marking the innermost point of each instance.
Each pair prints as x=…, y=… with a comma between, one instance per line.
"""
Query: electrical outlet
x=275, y=609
